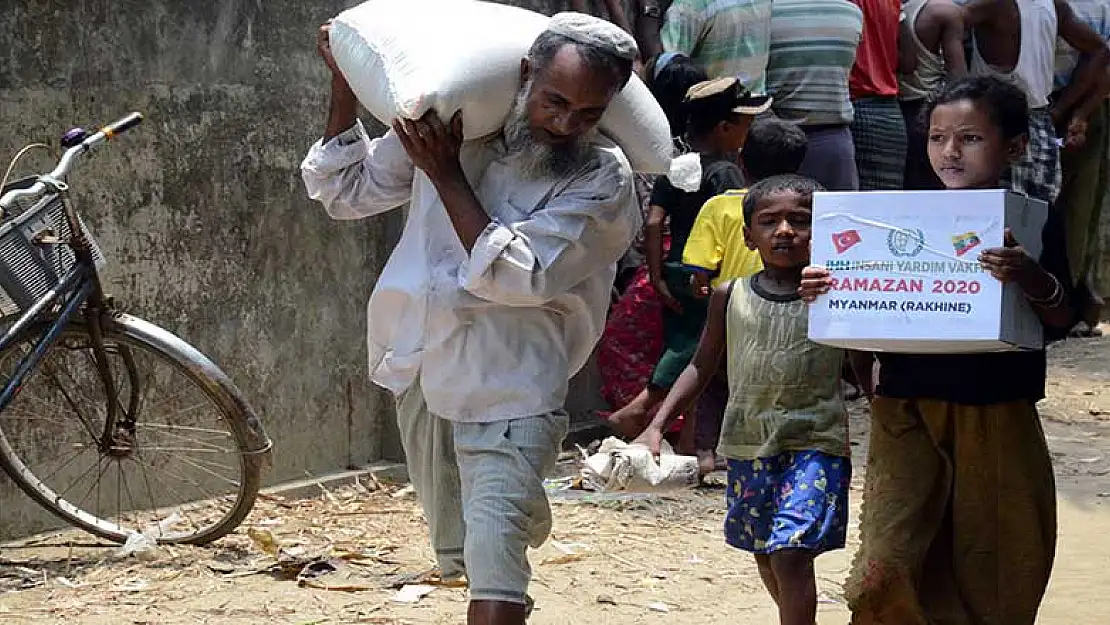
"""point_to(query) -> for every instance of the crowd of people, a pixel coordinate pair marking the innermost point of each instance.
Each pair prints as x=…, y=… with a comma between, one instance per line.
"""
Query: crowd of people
x=855, y=77
x=500, y=286
x=870, y=89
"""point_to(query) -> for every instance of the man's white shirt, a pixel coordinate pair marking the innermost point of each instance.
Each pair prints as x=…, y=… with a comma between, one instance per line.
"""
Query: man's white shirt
x=497, y=333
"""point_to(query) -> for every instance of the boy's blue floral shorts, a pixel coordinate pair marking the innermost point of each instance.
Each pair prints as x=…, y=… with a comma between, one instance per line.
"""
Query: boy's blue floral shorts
x=795, y=500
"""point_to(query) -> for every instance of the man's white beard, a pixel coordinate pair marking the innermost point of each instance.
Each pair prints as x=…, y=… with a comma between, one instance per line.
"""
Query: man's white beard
x=538, y=160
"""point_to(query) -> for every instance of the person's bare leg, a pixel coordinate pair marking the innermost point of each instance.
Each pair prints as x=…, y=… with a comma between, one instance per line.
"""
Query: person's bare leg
x=615, y=8
x=767, y=574
x=709, y=413
x=631, y=420
x=707, y=461
x=495, y=613
x=797, y=584
x=1092, y=312
x=687, y=443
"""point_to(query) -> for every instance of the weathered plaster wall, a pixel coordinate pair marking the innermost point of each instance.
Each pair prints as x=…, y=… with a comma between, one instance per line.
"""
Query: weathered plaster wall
x=201, y=210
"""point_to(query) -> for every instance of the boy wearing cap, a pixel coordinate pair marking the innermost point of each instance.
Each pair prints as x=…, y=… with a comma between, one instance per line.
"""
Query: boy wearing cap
x=718, y=114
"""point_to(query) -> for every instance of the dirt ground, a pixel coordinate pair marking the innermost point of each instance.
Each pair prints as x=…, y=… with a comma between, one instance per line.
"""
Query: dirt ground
x=648, y=561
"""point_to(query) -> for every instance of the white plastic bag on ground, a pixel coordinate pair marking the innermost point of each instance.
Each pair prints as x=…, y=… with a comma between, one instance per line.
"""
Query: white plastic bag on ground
x=403, y=58
x=621, y=466
x=144, y=544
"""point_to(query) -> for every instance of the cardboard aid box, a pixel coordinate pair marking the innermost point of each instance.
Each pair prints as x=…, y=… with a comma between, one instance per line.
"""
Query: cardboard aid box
x=905, y=274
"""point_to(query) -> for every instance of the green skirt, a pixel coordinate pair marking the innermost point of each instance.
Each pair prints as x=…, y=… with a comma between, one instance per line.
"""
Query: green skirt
x=681, y=332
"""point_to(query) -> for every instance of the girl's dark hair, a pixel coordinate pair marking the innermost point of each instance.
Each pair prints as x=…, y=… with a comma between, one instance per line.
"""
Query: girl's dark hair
x=670, y=87
x=767, y=187
x=1003, y=101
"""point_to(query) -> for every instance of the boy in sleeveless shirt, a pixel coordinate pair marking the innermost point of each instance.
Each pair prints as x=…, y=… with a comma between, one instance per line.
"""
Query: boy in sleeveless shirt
x=933, y=35
x=1016, y=40
x=785, y=431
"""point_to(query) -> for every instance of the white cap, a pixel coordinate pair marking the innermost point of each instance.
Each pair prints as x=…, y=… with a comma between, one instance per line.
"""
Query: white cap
x=594, y=32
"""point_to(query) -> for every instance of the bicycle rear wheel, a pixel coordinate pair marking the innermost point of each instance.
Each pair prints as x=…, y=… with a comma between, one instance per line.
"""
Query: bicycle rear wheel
x=187, y=471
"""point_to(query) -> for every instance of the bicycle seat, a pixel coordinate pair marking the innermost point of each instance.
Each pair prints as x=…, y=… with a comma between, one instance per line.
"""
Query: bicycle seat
x=22, y=183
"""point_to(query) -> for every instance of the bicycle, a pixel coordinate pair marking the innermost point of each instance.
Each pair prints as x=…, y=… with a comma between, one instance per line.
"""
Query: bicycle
x=59, y=314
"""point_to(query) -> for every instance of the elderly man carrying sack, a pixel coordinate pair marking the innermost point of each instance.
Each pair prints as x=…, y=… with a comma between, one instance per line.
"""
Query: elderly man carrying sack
x=496, y=293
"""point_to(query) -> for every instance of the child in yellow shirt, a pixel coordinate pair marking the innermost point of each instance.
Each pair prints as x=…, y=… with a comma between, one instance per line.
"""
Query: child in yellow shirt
x=716, y=253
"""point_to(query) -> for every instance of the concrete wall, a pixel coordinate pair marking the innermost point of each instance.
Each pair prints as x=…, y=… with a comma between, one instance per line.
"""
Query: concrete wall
x=201, y=210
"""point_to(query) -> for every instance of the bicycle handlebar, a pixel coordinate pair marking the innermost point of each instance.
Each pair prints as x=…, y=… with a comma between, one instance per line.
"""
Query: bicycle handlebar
x=123, y=125
x=106, y=133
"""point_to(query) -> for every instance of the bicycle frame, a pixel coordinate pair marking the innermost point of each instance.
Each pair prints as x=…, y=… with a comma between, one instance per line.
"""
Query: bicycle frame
x=80, y=289
x=58, y=310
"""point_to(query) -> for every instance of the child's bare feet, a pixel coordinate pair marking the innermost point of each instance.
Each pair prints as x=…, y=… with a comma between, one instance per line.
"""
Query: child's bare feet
x=708, y=462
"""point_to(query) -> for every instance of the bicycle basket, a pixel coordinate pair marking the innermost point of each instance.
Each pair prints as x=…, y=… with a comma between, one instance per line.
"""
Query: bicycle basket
x=29, y=268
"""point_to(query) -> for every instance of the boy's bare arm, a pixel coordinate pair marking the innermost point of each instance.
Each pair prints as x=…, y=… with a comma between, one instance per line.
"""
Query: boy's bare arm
x=952, y=34
x=1044, y=289
x=648, y=24
x=1100, y=89
x=618, y=16
x=653, y=249
x=1076, y=32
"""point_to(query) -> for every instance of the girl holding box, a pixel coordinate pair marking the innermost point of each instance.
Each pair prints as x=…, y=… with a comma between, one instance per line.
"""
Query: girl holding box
x=959, y=514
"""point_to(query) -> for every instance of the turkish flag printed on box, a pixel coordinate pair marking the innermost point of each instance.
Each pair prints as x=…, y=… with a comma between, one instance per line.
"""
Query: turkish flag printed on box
x=843, y=241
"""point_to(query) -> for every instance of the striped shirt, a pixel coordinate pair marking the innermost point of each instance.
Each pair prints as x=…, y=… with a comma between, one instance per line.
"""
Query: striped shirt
x=813, y=48
x=1094, y=13
x=726, y=37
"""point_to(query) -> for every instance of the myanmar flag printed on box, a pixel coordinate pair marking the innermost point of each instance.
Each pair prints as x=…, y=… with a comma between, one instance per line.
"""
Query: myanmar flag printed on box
x=965, y=242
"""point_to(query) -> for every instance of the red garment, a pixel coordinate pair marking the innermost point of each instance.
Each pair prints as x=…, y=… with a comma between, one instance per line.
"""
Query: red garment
x=875, y=73
x=632, y=343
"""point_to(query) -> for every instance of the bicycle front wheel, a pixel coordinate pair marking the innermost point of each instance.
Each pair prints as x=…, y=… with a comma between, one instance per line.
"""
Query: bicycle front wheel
x=183, y=462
